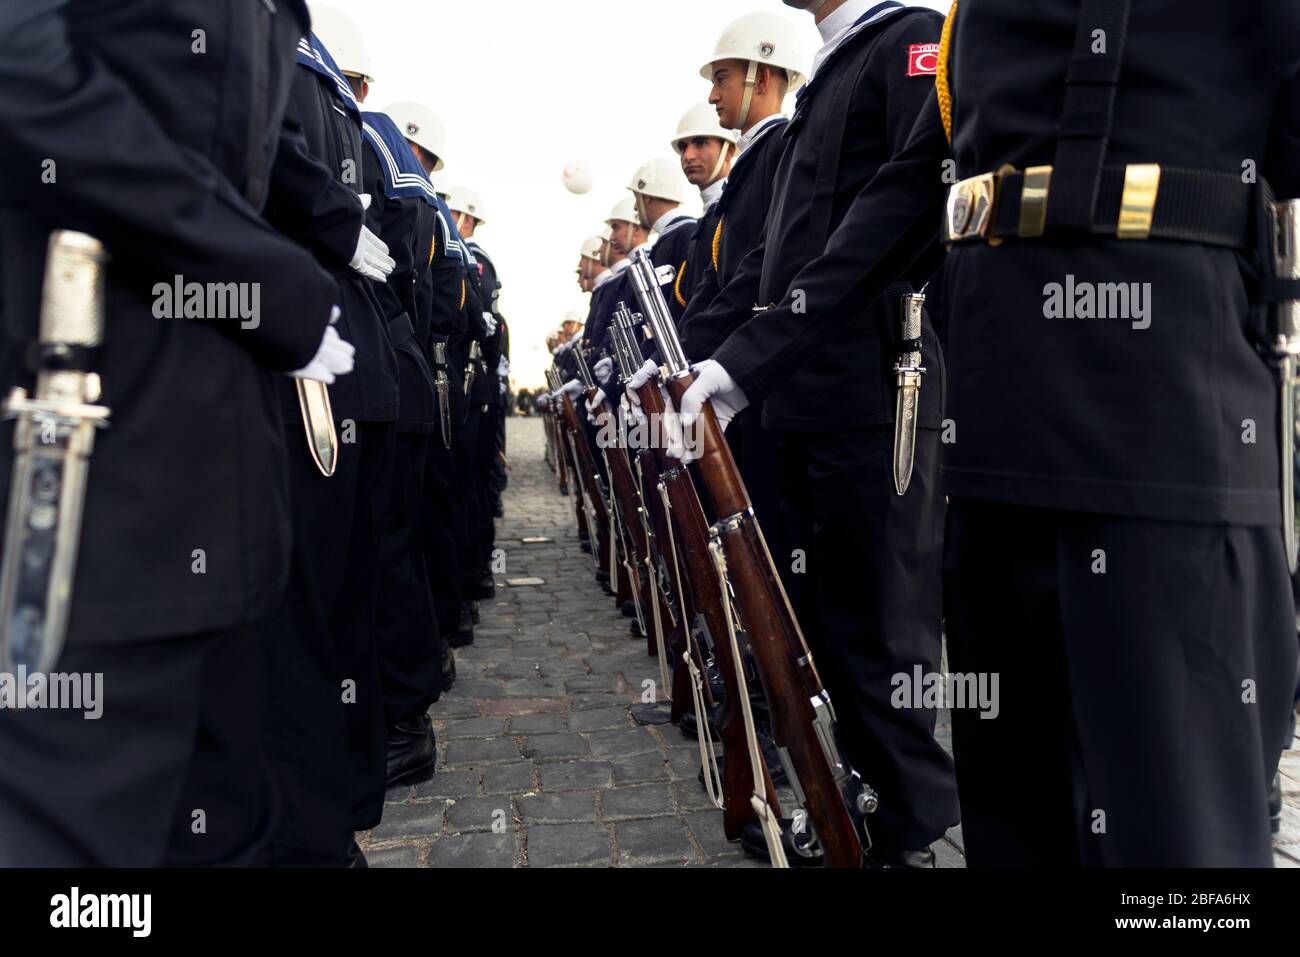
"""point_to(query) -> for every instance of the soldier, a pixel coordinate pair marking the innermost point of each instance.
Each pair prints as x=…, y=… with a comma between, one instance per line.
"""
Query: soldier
x=324, y=684
x=468, y=208
x=863, y=571
x=445, y=510
x=412, y=648
x=659, y=189
x=1121, y=500
x=185, y=540
x=626, y=235
x=591, y=261
x=707, y=150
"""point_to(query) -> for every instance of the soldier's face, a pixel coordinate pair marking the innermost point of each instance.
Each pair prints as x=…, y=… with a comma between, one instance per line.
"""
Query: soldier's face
x=728, y=91
x=700, y=157
x=619, y=240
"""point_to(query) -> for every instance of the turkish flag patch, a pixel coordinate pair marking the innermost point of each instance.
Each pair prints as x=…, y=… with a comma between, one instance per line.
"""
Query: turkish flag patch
x=923, y=59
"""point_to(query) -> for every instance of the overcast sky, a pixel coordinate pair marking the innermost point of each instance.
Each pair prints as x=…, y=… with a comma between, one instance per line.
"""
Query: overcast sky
x=525, y=85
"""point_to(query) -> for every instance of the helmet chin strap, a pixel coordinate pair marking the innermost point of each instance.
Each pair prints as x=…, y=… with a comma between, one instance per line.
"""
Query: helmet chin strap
x=722, y=161
x=751, y=78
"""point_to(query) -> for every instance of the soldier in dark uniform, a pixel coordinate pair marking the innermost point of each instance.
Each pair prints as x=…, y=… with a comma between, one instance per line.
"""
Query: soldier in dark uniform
x=707, y=151
x=185, y=540
x=659, y=189
x=321, y=644
x=864, y=567
x=444, y=513
x=411, y=646
x=1113, y=545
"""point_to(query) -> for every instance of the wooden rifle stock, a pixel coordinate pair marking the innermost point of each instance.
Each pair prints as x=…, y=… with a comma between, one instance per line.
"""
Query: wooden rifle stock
x=796, y=698
x=585, y=466
x=703, y=596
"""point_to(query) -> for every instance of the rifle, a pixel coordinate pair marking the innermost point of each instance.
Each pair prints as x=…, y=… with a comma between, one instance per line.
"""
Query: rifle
x=700, y=601
x=830, y=795
x=588, y=479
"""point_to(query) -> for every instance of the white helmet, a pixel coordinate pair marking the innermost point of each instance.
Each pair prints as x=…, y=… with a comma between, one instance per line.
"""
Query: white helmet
x=660, y=179
x=624, y=211
x=343, y=38
x=438, y=179
x=461, y=199
x=702, y=120
x=763, y=38
x=575, y=317
x=421, y=126
x=592, y=247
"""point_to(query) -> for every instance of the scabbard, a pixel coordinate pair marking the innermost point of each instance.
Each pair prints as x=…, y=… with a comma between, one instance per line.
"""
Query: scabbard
x=908, y=401
x=318, y=423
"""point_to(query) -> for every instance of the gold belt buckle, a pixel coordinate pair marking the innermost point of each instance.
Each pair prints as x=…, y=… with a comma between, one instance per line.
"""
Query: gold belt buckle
x=969, y=211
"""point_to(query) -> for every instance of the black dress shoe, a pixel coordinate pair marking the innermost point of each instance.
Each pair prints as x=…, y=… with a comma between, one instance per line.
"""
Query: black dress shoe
x=448, y=668
x=412, y=754
x=356, y=859
x=890, y=857
x=585, y=546
x=754, y=844
x=473, y=612
x=1275, y=804
x=464, y=636
x=487, y=588
x=635, y=628
x=628, y=608
x=564, y=490
x=690, y=728
x=774, y=768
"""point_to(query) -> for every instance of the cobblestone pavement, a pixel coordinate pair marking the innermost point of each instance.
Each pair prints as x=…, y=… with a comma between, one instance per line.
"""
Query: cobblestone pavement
x=540, y=762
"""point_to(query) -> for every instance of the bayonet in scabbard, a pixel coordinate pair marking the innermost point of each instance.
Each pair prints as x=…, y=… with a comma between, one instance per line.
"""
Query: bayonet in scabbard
x=909, y=372
x=53, y=441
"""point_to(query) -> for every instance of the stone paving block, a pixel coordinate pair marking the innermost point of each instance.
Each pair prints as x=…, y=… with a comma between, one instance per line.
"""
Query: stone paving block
x=568, y=845
x=480, y=814
x=690, y=795
x=660, y=841
x=627, y=742
x=546, y=723
x=555, y=747
x=472, y=728
x=637, y=801
x=594, y=684
x=639, y=769
x=448, y=784
x=513, y=706
x=706, y=828
x=598, y=719
x=474, y=850
x=407, y=855
x=565, y=807
x=577, y=776
x=481, y=751
x=514, y=778
x=685, y=762
x=410, y=821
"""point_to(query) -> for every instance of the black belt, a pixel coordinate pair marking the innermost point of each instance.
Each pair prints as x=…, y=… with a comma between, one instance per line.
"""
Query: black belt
x=1139, y=201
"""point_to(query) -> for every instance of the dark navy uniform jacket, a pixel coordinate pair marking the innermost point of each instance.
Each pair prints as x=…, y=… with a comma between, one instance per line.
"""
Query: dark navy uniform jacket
x=328, y=119
x=1174, y=421
x=165, y=156
x=401, y=213
x=741, y=212
x=671, y=249
x=850, y=121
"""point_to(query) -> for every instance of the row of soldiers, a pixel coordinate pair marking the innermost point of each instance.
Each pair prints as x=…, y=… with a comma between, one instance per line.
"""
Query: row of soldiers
x=1085, y=503
x=289, y=520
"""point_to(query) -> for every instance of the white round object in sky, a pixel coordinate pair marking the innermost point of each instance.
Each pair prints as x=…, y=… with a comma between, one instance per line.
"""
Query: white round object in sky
x=578, y=178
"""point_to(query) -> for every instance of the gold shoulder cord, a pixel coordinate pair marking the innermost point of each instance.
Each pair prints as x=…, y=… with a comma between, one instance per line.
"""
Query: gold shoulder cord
x=677, y=287
x=717, y=244
x=433, y=247
x=941, y=81
x=464, y=292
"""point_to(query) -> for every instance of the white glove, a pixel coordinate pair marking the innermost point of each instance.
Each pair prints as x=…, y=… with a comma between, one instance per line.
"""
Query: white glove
x=712, y=384
x=633, y=413
x=371, y=258
x=503, y=368
x=490, y=321
x=595, y=406
x=334, y=358
x=573, y=388
x=642, y=376
x=603, y=370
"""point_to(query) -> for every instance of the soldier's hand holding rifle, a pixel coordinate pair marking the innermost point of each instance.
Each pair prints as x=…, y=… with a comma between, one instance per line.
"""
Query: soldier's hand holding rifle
x=712, y=384
x=334, y=358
